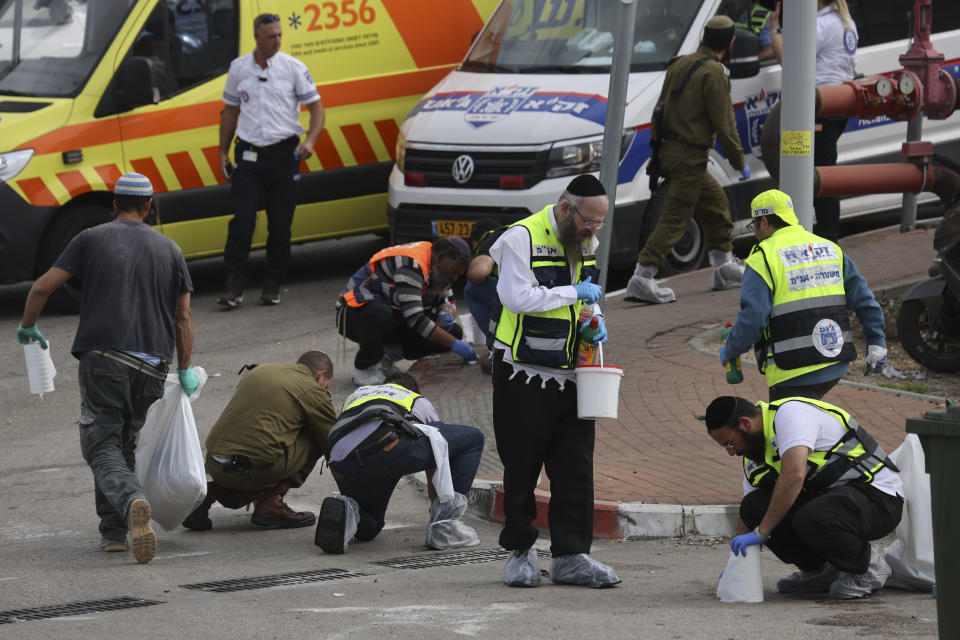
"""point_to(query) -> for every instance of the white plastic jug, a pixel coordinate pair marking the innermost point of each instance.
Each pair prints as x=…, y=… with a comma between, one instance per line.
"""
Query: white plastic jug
x=40, y=369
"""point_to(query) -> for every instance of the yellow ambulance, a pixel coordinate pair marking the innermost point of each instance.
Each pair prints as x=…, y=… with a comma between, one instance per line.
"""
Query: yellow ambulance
x=92, y=89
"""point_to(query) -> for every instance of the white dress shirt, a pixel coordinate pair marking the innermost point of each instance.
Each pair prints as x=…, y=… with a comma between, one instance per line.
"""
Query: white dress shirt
x=521, y=292
x=269, y=99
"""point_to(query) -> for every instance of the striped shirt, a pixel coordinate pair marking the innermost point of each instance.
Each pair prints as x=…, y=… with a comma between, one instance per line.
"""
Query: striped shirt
x=269, y=99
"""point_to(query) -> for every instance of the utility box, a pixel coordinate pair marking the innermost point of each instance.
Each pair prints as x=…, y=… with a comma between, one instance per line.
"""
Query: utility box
x=939, y=433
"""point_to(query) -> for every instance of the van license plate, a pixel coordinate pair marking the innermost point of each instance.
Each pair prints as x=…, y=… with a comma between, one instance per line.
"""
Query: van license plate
x=447, y=228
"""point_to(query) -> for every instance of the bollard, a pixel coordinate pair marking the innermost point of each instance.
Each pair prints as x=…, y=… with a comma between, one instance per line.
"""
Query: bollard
x=939, y=433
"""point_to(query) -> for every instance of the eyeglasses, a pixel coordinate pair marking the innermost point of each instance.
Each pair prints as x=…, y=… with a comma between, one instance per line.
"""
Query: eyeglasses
x=265, y=18
x=729, y=444
x=752, y=225
x=593, y=225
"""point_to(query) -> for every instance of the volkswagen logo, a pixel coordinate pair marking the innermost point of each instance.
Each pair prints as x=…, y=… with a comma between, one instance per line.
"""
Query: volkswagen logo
x=462, y=169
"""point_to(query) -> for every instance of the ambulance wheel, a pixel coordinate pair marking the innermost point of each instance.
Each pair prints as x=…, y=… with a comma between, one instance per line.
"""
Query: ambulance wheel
x=61, y=231
x=689, y=252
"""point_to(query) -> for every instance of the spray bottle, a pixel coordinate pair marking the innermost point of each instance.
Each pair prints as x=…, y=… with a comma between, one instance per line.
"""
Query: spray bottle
x=587, y=351
x=733, y=368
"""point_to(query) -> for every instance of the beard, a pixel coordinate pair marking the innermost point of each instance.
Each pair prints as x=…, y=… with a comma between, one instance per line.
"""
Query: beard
x=439, y=282
x=571, y=239
x=756, y=446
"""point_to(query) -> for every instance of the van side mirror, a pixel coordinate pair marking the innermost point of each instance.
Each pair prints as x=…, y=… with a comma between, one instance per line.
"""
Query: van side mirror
x=745, y=59
x=136, y=83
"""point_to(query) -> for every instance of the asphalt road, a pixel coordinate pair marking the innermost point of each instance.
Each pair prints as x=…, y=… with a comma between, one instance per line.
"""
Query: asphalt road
x=49, y=553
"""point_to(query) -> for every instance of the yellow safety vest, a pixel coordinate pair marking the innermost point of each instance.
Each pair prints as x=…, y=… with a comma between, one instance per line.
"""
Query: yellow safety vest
x=371, y=402
x=855, y=457
x=756, y=19
x=808, y=328
x=547, y=338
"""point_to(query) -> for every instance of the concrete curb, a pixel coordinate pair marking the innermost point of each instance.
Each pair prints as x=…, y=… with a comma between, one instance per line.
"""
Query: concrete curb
x=631, y=520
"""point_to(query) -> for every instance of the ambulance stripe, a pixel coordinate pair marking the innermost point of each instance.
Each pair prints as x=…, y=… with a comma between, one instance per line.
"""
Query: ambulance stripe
x=148, y=167
x=74, y=182
x=417, y=32
x=109, y=173
x=359, y=144
x=212, y=154
x=327, y=152
x=388, y=133
x=186, y=172
x=37, y=192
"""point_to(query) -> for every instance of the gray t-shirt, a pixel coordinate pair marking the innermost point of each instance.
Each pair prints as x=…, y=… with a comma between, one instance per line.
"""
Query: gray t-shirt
x=132, y=276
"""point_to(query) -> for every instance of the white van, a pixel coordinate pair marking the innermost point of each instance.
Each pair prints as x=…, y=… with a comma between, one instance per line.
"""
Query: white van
x=501, y=135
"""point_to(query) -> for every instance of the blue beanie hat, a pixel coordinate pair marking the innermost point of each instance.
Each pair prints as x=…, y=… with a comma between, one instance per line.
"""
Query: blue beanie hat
x=133, y=184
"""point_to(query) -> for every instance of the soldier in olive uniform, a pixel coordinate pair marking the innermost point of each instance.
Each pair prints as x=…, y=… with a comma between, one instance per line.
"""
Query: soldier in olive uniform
x=696, y=107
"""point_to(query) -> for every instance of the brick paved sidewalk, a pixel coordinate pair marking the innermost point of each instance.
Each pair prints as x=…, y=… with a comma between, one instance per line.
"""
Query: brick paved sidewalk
x=657, y=451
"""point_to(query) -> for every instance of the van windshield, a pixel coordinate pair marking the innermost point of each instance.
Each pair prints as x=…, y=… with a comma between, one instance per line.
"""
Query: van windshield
x=48, y=48
x=576, y=36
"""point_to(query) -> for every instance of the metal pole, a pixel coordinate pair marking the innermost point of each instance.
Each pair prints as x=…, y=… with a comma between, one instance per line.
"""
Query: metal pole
x=613, y=130
x=798, y=98
x=17, y=26
x=908, y=213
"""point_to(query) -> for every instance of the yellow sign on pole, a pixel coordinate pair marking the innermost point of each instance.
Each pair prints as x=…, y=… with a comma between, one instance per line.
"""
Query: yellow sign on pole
x=795, y=143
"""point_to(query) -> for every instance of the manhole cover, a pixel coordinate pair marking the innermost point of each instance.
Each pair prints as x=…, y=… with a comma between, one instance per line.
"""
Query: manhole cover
x=73, y=609
x=277, y=580
x=428, y=560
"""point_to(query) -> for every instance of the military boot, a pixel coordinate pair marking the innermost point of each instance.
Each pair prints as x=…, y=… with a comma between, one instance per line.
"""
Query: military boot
x=271, y=512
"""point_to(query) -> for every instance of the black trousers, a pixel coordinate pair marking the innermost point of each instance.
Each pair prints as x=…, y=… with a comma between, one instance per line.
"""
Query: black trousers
x=536, y=426
x=814, y=391
x=825, y=155
x=268, y=183
x=835, y=525
x=375, y=324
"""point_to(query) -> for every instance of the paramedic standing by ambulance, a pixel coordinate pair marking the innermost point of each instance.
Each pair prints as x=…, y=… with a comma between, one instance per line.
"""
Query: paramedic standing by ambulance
x=262, y=98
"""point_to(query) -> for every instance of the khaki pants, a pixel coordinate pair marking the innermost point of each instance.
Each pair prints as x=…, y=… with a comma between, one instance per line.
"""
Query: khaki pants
x=240, y=488
x=692, y=193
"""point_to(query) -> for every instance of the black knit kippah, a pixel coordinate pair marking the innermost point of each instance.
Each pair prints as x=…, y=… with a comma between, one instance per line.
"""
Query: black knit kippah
x=586, y=185
x=720, y=411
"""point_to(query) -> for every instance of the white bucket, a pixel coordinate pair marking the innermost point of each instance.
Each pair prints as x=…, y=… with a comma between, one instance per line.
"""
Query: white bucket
x=598, y=391
x=40, y=369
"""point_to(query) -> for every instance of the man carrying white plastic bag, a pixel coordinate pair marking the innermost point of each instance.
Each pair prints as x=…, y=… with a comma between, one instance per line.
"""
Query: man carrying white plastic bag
x=169, y=457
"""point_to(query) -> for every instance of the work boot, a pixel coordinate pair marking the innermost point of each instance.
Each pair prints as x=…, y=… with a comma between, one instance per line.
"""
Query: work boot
x=271, y=293
x=232, y=294
x=815, y=581
x=337, y=524
x=849, y=586
x=141, y=533
x=727, y=270
x=582, y=570
x=113, y=546
x=199, y=519
x=370, y=375
x=271, y=512
x=643, y=287
x=392, y=353
x=522, y=569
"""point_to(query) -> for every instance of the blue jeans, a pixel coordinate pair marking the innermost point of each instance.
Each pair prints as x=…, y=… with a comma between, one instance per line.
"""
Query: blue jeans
x=371, y=476
x=483, y=301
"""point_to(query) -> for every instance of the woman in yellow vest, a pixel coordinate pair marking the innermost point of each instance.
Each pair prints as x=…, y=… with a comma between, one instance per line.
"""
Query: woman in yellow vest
x=794, y=297
x=818, y=489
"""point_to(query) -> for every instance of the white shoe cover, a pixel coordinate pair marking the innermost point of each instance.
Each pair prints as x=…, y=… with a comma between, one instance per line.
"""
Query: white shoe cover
x=642, y=286
x=727, y=270
x=370, y=375
x=858, y=585
x=522, y=569
x=581, y=569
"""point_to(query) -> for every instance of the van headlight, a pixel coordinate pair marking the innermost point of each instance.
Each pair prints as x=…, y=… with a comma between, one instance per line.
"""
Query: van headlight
x=582, y=156
x=400, y=151
x=13, y=162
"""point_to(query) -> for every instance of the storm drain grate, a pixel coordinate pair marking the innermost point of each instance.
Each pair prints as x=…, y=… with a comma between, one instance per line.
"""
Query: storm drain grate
x=428, y=560
x=73, y=609
x=277, y=580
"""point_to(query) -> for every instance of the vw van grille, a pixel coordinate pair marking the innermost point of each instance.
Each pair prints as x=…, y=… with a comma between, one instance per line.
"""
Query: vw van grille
x=489, y=167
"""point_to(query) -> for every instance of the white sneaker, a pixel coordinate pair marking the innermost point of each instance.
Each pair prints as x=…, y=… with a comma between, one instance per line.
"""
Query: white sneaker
x=370, y=375
x=522, y=569
x=859, y=585
x=817, y=581
x=727, y=270
x=642, y=286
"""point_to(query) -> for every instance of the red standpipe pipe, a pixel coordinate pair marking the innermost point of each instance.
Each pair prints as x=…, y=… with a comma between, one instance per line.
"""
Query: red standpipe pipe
x=861, y=179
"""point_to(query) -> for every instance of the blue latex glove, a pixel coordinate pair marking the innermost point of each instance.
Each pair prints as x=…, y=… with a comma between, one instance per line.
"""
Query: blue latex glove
x=26, y=335
x=188, y=380
x=587, y=291
x=745, y=173
x=601, y=337
x=445, y=320
x=465, y=351
x=740, y=543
